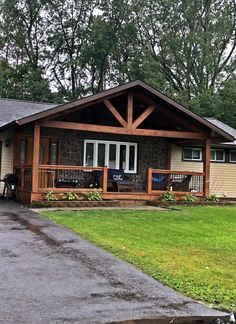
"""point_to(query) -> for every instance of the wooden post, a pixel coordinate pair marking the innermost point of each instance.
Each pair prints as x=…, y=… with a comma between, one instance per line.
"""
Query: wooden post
x=22, y=178
x=35, y=167
x=206, y=166
x=149, y=181
x=168, y=156
x=104, y=180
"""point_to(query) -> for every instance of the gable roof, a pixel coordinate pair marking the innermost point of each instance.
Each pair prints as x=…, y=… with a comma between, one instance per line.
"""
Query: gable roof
x=48, y=110
x=12, y=110
x=226, y=128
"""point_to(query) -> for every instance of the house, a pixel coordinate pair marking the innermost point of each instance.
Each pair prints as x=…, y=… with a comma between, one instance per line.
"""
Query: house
x=132, y=128
x=222, y=165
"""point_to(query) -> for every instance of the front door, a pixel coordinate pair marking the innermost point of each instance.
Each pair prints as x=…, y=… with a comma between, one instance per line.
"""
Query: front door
x=48, y=154
x=44, y=151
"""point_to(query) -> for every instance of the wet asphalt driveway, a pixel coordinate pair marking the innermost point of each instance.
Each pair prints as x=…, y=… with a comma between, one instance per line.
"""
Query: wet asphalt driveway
x=50, y=275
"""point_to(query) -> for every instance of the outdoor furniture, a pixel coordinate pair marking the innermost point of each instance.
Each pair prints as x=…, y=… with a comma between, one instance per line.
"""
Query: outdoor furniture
x=10, y=189
x=67, y=183
x=159, y=182
x=116, y=181
x=182, y=185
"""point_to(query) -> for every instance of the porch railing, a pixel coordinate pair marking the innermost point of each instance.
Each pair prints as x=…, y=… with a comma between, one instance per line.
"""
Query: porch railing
x=176, y=181
x=59, y=177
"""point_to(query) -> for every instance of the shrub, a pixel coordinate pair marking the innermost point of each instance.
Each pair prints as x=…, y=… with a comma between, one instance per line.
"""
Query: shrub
x=167, y=197
x=49, y=196
x=70, y=196
x=190, y=198
x=93, y=196
x=211, y=198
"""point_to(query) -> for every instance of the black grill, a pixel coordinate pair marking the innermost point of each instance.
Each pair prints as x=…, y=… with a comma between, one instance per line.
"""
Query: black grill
x=11, y=182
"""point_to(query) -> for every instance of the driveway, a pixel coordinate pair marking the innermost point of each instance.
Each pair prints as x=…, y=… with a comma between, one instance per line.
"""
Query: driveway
x=50, y=275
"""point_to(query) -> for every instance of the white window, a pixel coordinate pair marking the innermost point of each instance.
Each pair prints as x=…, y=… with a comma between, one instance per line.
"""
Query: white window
x=217, y=155
x=115, y=155
x=232, y=156
x=192, y=154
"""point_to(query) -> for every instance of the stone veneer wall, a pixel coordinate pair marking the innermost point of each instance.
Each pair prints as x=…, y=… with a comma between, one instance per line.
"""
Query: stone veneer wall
x=152, y=151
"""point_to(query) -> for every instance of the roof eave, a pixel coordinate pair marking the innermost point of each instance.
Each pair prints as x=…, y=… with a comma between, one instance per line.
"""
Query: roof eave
x=9, y=125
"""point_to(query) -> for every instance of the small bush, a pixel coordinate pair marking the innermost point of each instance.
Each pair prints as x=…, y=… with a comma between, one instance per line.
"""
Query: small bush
x=49, y=196
x=93, y=196
x=167, y=197
x=71, y=196
x=190, y=198
x=211, y=198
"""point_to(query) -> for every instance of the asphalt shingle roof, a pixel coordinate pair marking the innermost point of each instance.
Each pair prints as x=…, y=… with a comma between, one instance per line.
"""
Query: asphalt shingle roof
x=12, y=110
x=225, y=127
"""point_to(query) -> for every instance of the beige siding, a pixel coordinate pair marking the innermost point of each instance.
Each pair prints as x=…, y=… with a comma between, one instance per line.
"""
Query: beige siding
x=6, y=156
x=222, y=178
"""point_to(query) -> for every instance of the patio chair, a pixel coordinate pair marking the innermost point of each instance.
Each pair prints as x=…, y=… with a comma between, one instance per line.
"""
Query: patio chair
x=159, y=182
x=116, y=181
x=181, y=185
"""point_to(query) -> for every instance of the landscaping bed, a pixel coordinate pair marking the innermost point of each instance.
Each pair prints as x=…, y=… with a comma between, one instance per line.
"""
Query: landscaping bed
x=192, y=250
x=84, y=203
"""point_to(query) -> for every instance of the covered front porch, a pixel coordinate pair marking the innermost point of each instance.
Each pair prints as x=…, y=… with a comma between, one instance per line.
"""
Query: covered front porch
x=54, y=162
x=130, y=129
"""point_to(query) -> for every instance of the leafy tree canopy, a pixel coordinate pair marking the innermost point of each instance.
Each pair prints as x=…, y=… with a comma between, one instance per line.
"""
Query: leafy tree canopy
x=55, y=50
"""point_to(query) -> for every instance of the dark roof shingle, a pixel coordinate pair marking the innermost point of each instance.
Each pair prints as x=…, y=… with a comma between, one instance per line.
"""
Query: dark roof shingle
x=225, y=128
x=12, y=110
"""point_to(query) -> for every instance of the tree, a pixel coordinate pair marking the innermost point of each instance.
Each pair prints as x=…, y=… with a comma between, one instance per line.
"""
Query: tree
x=69, y=24
x=23, y=41
x=192, y=42
x=226, y=108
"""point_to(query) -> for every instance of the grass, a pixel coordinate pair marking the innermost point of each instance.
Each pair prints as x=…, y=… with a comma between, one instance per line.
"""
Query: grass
x=192, y=250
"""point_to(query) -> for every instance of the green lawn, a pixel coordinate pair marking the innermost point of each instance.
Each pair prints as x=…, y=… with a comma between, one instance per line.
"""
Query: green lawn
x=192, y=250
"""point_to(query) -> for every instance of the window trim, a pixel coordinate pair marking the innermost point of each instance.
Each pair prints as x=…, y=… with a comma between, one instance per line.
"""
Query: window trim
x=215, y=160
x=230, y=160
x=191, y=159
x=107, y=146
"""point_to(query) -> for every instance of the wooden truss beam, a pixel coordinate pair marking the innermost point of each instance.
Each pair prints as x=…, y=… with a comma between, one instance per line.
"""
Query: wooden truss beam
x=143, y=116
x=115, y=113
x=121, y=130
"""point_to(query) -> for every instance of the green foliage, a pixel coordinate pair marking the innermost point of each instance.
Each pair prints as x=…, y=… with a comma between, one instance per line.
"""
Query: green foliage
x=211, y=198
x=185, y=49
x=93, y=196
x=167, y=197
x=190, y=198
x=71, y=196
x=192, y=250
x=193, y=50
x=226, y=102
x=49, y=196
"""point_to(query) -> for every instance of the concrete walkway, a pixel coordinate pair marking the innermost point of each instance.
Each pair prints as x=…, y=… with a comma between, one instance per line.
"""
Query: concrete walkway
x=50, y=275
